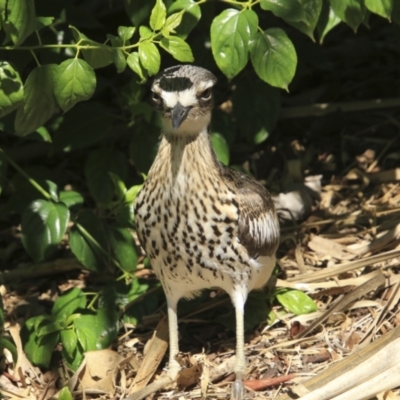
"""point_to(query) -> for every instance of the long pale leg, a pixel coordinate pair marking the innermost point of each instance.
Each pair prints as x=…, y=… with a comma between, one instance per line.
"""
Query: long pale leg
x=173, y=366
x=238, y=390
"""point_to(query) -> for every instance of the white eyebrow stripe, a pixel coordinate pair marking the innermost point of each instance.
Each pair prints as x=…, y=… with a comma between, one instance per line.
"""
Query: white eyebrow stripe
x=186, y=97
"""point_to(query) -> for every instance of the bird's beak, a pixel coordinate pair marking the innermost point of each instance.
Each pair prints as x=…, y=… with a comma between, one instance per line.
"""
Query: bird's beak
x=178, y=114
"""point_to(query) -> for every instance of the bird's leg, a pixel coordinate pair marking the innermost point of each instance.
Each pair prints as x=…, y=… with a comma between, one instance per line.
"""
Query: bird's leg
x=238, y=391
x=173, y=365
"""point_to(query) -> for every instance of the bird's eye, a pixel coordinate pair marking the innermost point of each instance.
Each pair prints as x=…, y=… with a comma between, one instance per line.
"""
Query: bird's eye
x=156, y=98
x=206, y=95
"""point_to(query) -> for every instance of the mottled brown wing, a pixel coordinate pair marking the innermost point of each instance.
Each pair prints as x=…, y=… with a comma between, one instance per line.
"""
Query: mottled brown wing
x=258, y=222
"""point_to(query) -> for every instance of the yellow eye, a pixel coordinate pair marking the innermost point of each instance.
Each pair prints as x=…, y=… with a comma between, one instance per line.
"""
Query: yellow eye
x=206, y=95
x=156, y=98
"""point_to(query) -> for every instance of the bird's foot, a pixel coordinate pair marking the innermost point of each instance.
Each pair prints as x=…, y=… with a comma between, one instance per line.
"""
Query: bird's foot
x=238, y=391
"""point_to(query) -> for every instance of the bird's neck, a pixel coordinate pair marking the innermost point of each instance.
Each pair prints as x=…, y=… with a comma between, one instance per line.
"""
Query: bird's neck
x=185, y=155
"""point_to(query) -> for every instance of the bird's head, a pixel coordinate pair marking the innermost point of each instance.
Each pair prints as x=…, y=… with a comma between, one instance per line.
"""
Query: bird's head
x=183, y=95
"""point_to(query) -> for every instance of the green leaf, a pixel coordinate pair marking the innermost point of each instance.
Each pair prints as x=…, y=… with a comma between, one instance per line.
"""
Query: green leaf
x=296, y=302
x=126, y=32
x=178, y=48
x=11, y=89
x=96, y=332
x=75, y=81
x=157, y=16
x=65, y=394
x=98, y=165
x=171, y=23
x=274, y=57
x=39, y=102
x=350, y=11
x=71, y=198
x=221, y=148
x=118, y=54
x=133, y=62
x=3, y=174
x=6, y=344
x=145, y=32
x=83, y=248
x=43, y=226
x=327, y=21
x=190, y=18
x=99, y=57
x=21, y=20
x=381, y=7
x=132, y=193
x=42, y=22
x=289, y=10
x=85, y=124
x=124, y=248
x=69, y=341
x=48, y=328
x=231, y=34
x=312, y=10
x=68, y=303
x=38, y=349
x=149, y=57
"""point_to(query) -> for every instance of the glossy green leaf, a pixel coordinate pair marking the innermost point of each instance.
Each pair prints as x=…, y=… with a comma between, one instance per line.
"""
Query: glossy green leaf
x=87, y=253
x=134, y=64
x=221, y=148
x=150, y=57
x=350, y=11
x=231, y=34
x=49, y=328
x=126, y=32
x=98, y=165
x=85, y=124
x=381, y=7
x=274, y=57
x=289, y=10
x=3, y=174
x=11, y=89
x=157, y=16
x=190, y=18
x=132, y=193
x=296, y=302
x=145, y=32
x=99, y=57
x=71, y=198
x=21, y=20
x=39, y=102
x=68, y=303
x=312, y=10
x=124, y=248
x=38, y=349
x=327, y=21
x=98, y=331
x=43, y=226
x=65, y=394
x=69, y=341
x=178, y=48
x=75, y=81
x=171, y=23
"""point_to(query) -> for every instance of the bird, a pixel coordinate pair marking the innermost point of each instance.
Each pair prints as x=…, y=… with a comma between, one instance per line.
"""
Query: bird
x=201, y=223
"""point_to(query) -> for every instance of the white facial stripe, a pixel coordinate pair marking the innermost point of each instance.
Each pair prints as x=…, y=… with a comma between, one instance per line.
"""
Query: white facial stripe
x=205, y=85
x=185, y=97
